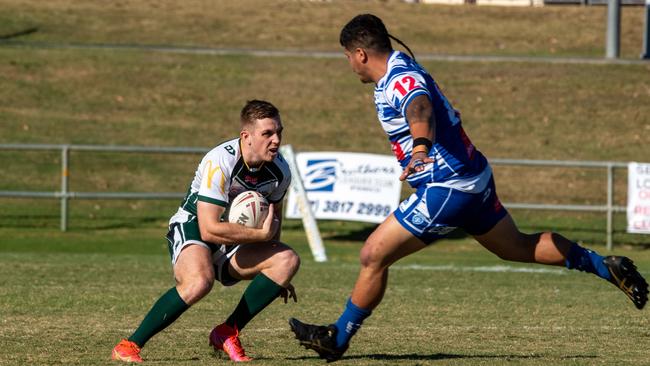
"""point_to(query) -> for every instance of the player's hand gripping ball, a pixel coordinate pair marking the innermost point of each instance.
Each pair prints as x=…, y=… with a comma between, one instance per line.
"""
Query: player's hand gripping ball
x=249, y=208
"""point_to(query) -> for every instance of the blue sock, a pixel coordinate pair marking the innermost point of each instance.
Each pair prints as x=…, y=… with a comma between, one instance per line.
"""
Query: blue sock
x=586, y=260
x=349, y=322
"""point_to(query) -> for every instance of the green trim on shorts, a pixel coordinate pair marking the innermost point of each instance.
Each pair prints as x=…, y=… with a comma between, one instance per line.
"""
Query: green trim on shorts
x=188, y=231
x=212, y=200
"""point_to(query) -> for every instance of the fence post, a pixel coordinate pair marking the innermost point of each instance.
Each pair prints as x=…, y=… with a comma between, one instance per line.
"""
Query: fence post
x=610, y=203
x=65, y=151
x=613, y=29
x=646, y=34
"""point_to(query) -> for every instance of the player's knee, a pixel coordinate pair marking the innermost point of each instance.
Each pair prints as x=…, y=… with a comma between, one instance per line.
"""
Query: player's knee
x=370, y=255
x=289, y=260
x=285, y=262
x=195, y=288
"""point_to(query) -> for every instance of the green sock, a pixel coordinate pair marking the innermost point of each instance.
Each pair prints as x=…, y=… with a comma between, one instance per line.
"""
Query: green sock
x=167, y=309
x=258, y=295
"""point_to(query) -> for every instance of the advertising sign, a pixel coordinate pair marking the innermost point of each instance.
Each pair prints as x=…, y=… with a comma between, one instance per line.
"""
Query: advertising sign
x=638, y=198
x=348, y=186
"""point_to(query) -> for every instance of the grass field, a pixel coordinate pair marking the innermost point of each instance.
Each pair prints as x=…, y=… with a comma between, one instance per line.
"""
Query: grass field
x=67, y=298
x=314, y=25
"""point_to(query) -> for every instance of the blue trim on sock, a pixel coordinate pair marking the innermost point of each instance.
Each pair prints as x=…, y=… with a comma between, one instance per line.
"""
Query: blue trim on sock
x=587, y=260
x=349, y=322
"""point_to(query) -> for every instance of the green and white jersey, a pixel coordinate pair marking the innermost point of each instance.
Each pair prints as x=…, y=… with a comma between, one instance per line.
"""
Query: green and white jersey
x=222, y=175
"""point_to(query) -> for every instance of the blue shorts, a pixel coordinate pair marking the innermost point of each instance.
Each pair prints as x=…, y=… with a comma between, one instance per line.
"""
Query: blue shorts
x=433, y=212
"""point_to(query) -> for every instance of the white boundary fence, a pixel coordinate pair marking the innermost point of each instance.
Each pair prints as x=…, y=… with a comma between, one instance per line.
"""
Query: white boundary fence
x=64, y=194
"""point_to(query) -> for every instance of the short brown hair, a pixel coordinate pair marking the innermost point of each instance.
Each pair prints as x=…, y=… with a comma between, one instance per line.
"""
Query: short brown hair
x=257, y=109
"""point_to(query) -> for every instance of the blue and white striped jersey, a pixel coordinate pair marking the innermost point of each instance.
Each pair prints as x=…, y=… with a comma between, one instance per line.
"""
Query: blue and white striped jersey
x=457, y=163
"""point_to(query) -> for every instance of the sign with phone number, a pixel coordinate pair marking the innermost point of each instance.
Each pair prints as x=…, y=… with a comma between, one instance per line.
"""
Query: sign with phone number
x=348, y=186
x=638, y=198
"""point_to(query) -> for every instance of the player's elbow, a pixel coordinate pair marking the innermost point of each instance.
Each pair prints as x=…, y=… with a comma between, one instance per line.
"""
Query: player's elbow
x=205, y=233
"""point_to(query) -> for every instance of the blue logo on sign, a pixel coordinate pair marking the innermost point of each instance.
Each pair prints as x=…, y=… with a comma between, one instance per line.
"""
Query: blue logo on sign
x=320, y=175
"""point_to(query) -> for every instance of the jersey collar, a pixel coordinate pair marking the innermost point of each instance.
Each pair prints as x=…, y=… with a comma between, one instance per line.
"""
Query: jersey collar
x=389, y=61
x=250, y=169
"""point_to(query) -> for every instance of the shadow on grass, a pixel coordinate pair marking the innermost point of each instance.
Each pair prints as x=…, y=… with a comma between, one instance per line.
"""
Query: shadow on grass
x=133, y=223
x=445, y=356
x=212, y=355
x=171, y=359
x=22, y=32
x=80, y=224
x=76, y=223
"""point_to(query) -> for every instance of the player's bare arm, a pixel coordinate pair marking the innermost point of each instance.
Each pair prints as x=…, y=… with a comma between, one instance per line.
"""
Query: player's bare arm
x=419, y=114
x=215, y=231
x=277, y=213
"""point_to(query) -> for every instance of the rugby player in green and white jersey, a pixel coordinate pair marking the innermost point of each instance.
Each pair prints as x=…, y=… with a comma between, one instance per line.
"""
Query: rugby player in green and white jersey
x=205, y=248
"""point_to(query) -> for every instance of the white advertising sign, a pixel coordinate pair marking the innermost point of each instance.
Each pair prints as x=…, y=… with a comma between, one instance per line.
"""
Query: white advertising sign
x=348, y=186
x=638, y=198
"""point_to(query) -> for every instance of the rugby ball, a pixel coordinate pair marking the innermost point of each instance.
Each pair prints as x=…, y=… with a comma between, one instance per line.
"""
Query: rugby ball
x=249, y=208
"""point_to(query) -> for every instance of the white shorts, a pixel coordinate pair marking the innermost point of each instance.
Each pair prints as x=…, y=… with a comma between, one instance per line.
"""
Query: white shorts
x=181, y=235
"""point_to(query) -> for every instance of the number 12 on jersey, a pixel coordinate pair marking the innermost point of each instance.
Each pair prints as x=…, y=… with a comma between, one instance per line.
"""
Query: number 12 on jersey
x=404, y=85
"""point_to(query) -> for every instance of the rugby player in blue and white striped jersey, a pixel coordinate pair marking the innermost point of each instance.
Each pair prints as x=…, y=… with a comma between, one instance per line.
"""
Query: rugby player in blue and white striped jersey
x=453, y=184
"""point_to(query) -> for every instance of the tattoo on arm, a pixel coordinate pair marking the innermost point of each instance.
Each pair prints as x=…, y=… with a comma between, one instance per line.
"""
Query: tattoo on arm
x=419, y=114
